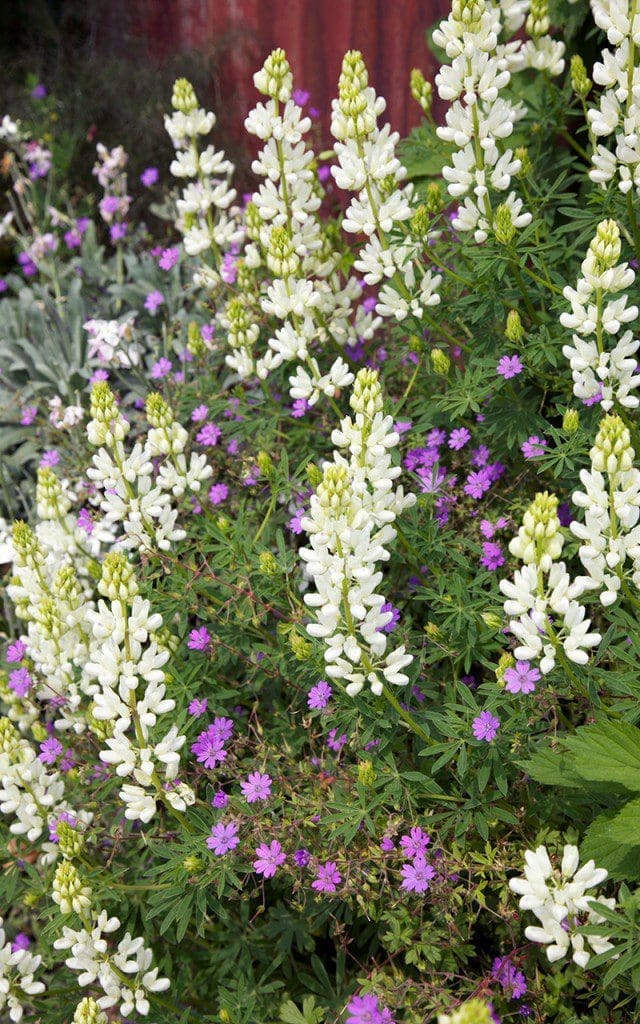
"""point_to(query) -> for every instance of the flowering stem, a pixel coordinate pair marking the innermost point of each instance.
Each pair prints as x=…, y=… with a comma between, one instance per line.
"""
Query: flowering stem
x=407, y=389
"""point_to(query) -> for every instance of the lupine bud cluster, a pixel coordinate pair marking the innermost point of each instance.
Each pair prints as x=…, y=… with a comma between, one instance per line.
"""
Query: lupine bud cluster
x=617, y=116
x=557, y=897
x=349, y=525
x=206, y=214
x=547, y=618
x=596, y=314
x=382, y=206
x=610, y=533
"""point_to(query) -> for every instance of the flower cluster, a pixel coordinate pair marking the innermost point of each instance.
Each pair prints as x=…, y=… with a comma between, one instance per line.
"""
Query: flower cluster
x=17, y=982
x=607, y=375
x=477, y=74
x=110, y=170
x=558, y=899
x=618, y=113
x=549, y=619
x=349, y=526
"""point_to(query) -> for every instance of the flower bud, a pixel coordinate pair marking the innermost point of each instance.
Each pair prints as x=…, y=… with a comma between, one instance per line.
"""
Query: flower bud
x=440, y=362
x=538, y=20
x=571, y=420
x=195, y=341
x=300, y=647
x=52, y=502
x=366, y=773
x=605, y=247
x=68, y=890
x=265, y=465
x=539, y=540
x=274, y=78
x=184, y=97
x=514, y=330
x=268, y=563
x=366, y=397
x=158, y=411
x=88, y=1012
x=522, y=154
x=580, y=83
x=314, y=474
x=71, y=842
x=503, y=226
x=421, y=90
x=612, y=452
x=118, y=581
x=506, y=661
x=192, y=864
x=475, y=1011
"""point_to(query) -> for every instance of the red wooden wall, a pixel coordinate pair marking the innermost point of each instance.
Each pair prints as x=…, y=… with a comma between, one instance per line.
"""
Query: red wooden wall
x=315, y=35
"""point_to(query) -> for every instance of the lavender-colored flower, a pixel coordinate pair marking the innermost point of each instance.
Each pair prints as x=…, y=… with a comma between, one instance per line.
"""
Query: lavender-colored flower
x=21, y=941
x=387, y=844
x=200, y=413
x=29, y=414
x=153, y=301
x=459, y=437
x=364, y=1010
x=222, y=728
x=295, y=523
x=20, y=681
x=118, y=231
x=269, y=858
x=209, y=748
x=223, y=838
x=302, y=857
x=50, y=751
x=509, y=366
x=492, y=557
x=67, y=761
x=436, y=437
x=415, y=844
x=335, y=742
x=72, y=239
x=319, y=695
x=150, y=177
x=299, y=408
x=169, y=258
x=395, y=617
x=161, y=369
x=533, y=447
x=210, y=434
x=229, y=268
x=480, y=456
x=328, y=877
x=485, y=726
x=256, y=788
x=39, y=91
x=478, y=483
x=417, y=874
x=220, y=799
x=50, y=458
x=510, y=978
x=218, y=493
x=199, y=639
x=16, y=652
x=522, y=678
x=300, y=96
x=85, y=521
x=197, y=707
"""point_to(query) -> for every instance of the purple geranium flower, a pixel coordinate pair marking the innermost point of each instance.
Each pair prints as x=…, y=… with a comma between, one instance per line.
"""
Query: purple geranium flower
x=319, y=695
x=522, y=678
x=510, y=366
x=485, y=726
x=328, y=877
x=256, y=788
x=269, y=858
x=223, y=838
x=417, y=875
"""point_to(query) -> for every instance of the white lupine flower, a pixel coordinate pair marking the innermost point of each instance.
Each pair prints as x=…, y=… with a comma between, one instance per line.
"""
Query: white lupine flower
x=349, y=526
x=559, y=901
x=596, y=370
x=17, y=970
x=542, y=598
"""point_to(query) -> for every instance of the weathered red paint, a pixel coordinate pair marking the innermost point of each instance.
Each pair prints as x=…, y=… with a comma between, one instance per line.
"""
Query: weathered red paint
x=315, y=35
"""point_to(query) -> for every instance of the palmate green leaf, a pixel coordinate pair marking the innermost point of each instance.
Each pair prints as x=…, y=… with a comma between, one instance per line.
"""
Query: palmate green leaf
x=551, y=767
x=310, y=1013
x=606, y=752
x=621, y=859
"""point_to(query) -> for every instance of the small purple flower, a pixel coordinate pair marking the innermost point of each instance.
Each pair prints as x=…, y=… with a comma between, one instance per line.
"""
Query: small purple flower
x=84, y=521
x=153, y=301
x=393, y=621
x=417, y=875
x=16, y=652
x=161, y=369
x=67, y=761
x=200, y=413
x=39, y=91
x=302, y=857
x=415, y=844
x=335, y=742
x=522, y=678
x=209, y=748
x=387, y=844
x=223, y=838
x=169, y=258
x=21, y=941
x=492, y=557
x=533, y=447
x=480, y=456
x=300, y=96
x=269, y=858
x=256, y=788
x=218, y=493
x=199, y=639
x=118, y=231
x=222, y=728
x=28, y=415
x=72, y=239
x=510, y=366
x=459, y=437
x=53, y=825
x=593, y=399
x=50, y=458
x=50, y=751
x=295, y=523
x=299, y=408
x=485, y=726
x=20, y=681
x=220, y=799
x=478, y=483
x=197, y=707
x=150, y=177
x=364, y=1010
x=209, y=435
x=319, y=695
x=229, y=268
x=328, y=877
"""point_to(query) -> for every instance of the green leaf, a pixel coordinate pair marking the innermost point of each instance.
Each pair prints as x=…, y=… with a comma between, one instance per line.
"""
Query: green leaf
x=607, y=752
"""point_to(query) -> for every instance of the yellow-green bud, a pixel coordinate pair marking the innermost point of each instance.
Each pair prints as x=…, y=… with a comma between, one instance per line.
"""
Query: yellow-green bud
x=475, y=1011
x=580, y=82
x=468, y=14
x=88, y=1012
x=300, y=647
x=433, y=200
x=440, y=362
x=506, y=661
x=612, y=452
x=71, y=843
x=52, y=502
x=184, y=96
x=366, y=397
x=25, y=542
x=159, y=413
x=274, y=78
x=514, y=330
x=492, y=620
x=522, y=154
x=195, y=341
x=334, y=491
x=282, y=259
x=9, y=739
x=39, y=732
x=366, y=773
x=420, y=221
x=503, y=226
x=265, y=465
x=571, y=420
x=118, y=581
x=539, y=540
x=538, y=20
x=606, y=246
x=421, y=90
x=433, y=631
x=416, y=343
x=268, y=563
x=223, y=523
x=192, y=864
x=68, y=889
